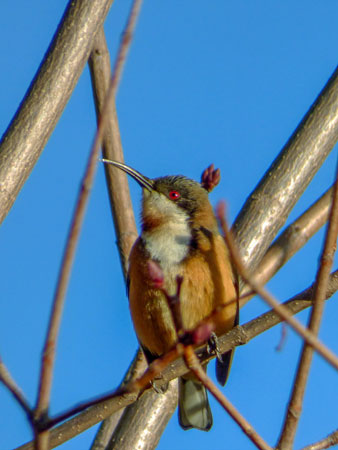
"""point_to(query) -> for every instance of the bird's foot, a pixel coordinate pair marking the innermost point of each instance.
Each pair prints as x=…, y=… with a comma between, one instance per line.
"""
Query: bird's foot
x=212, y=347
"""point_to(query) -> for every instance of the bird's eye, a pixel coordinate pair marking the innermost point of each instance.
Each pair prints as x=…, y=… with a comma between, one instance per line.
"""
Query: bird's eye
x=174, y=195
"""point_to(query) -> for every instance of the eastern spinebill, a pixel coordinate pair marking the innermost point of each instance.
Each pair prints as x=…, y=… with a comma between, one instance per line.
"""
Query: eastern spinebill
x=180, y=233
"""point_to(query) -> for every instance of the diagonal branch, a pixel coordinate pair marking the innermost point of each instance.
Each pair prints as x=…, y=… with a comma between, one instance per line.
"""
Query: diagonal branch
x=195, y=366
x=303, y=370
x=329, y=441
x=269, y=205
x=47, y=96
x=7, y=380
x=294, y=237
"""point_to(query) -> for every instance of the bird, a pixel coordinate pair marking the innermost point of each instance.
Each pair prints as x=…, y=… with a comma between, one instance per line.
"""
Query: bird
x=179, y=232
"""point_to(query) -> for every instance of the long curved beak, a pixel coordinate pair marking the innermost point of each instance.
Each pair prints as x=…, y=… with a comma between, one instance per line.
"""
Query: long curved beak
x=142, y=180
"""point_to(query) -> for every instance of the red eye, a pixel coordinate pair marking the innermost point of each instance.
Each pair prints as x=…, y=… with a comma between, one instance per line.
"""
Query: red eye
x=174, y=195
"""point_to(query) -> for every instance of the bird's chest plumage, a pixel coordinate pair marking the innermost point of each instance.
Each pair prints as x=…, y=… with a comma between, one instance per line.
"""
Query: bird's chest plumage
x=198, y=296
x=169, y=247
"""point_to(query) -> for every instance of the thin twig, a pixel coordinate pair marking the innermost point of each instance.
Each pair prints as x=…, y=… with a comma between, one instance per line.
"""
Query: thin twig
x=329, y=441
x=306, y=334
x=78, y=216
x=195, y=366
x=8, y=381
x=294, y=237
x=296, y=400
x=133, y=387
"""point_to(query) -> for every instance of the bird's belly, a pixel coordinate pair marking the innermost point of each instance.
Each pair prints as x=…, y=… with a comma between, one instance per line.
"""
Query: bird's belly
x=152, y=317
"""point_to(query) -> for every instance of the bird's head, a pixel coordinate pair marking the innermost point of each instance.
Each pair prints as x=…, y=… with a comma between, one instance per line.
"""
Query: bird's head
x=171, y=199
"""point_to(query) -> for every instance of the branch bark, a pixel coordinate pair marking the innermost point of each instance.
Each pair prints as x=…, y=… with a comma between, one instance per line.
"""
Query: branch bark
x=117, y=184
x=162, y=408
x=294, y=237
x=8, y=381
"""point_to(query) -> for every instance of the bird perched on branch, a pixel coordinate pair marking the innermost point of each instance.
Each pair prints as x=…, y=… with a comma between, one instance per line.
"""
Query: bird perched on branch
x=180, y=233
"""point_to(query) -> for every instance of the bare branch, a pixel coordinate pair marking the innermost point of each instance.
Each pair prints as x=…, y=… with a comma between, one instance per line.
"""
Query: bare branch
x=162, y=408
x=47, y=96
x=7, y=380
x=135, y=370
x=329, y=441
x=295, y=404
x=290, y=241
x=267, y=208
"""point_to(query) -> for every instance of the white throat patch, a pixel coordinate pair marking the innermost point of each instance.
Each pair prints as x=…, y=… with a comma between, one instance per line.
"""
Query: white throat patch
x=169, y=242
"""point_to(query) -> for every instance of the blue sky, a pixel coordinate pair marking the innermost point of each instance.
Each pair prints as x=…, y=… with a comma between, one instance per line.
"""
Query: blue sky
x=224, y=82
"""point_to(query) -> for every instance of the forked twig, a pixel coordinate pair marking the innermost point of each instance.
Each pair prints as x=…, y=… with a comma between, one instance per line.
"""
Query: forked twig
x=133, y=387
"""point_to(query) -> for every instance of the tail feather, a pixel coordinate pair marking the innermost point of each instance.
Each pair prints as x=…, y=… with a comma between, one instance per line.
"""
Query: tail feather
x=193, y=406
x=223, y=363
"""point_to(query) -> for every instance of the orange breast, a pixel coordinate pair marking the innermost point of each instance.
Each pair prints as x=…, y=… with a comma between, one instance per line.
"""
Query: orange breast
x=207, y=283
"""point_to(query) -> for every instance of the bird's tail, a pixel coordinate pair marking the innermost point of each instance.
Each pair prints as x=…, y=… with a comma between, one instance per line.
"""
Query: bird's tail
x=193, y=405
